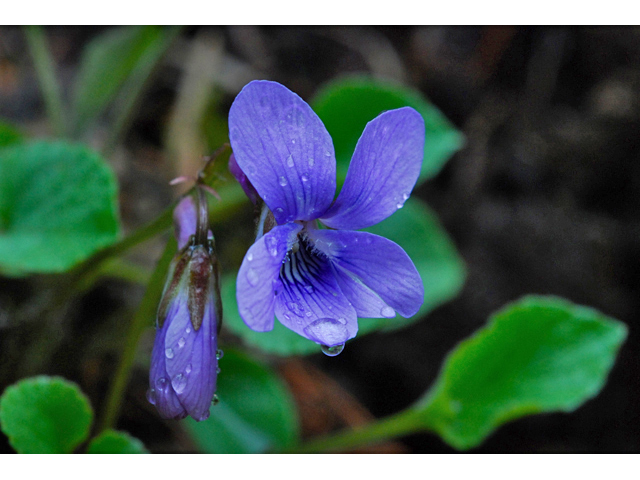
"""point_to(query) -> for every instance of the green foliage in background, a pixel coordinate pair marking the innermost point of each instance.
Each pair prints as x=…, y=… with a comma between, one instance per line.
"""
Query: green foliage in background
x=540, y=354
x=51, y=415
x=116, y=60
x=9, y=135
x=114, y=442
x=256, y=412
x=58, y=205
x=45, y=415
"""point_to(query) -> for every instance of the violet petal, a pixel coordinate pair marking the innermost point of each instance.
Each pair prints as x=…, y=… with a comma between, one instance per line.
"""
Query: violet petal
x=242, y=179
x=284, y=150
x=365, y=301
x=378, y=263
x=258, y=272
x=184, y=221
x=161, y=394
x=383, y=171
x=309, y=300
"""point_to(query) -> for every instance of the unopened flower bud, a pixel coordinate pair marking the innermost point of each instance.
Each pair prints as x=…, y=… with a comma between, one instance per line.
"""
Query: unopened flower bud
x=184, y=361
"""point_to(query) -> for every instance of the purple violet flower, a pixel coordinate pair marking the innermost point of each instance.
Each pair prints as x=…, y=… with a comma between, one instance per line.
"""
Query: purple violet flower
x=318, y=280
x=184, y=360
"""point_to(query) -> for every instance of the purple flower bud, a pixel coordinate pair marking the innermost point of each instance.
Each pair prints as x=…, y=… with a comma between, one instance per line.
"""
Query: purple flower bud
x=184, y=361
x=242, y=179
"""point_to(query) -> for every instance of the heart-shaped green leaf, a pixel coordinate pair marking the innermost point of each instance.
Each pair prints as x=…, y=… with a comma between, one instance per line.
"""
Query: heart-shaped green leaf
x=540, y=354
x=45, y=415
x=58, y=205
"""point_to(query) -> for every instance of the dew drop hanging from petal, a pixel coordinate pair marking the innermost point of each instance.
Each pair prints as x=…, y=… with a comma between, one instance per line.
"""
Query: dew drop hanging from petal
x=332, y=351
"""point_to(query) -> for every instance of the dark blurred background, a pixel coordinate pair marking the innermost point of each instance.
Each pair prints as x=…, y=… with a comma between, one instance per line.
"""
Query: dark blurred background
x=544, y=198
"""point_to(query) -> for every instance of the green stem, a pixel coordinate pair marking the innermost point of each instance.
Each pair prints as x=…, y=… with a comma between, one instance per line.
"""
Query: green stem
x=45, y=71
x=142, y=319
x=403, y=423
x=84, y=273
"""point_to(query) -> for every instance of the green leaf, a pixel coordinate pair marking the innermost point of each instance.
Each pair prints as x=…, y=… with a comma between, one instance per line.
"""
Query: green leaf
x=106, y=64
x=540, y=354
x=416, y=229
x=111, y=441
x=58, y=205
x=9, y=135
x=45, y=415
x=346, y=105
x=255, y=413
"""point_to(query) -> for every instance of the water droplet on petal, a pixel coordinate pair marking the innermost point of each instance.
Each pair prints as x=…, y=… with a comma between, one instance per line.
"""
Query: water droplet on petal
x=218, y=370
x=188, y=330
x=162, y=384
x=179, y=383
x=272, y=245
x=290, y=161
x=327, y=331
x=181, y=342
x=332, y=351
x=249, y=257
x=405, y=196
x=215, y=400
x=305, y=177
x=388, y=312
x=283, y=182
x=279, y=211
x=169, y=353
x=293, y=141
x=151, y=396
x=252, y=277
x=308, y=288
x=311, y=162
x=399, y=205
x=187, y=369
x=219, y=354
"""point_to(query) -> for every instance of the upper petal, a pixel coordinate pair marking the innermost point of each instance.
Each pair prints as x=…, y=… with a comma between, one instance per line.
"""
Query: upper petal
x=378, y=263
x=383, y=171
x=284, y=149
x=258, y=272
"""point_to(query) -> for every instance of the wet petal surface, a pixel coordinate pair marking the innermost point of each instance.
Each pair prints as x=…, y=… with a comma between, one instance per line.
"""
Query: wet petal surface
x=383, y=171
x=259, y=272
x=309, y=300
x=284, y=150
x=380, y=264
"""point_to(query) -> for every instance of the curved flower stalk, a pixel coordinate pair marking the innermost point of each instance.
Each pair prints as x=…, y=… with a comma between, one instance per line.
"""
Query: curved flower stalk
x=318, y=280
x=184, y=361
